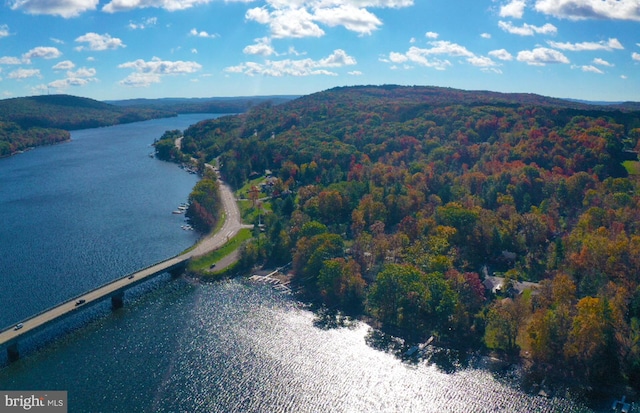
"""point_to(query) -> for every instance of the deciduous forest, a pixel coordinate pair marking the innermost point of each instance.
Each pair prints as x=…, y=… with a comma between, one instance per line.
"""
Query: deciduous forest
x=400, y=202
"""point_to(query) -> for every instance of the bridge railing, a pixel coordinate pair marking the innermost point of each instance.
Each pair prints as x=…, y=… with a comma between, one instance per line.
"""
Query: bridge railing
x=3, y=329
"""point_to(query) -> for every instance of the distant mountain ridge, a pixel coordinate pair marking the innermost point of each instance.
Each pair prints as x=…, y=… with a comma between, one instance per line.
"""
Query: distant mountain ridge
x=236, y=104
x=71, y=112
x=32, y=121
x=434, y=95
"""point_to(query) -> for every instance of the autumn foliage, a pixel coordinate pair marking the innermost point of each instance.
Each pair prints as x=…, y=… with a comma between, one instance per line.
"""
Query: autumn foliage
x=399, y=201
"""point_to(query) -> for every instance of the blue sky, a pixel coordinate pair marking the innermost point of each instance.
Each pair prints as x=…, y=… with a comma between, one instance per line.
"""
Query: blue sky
x=120, y=49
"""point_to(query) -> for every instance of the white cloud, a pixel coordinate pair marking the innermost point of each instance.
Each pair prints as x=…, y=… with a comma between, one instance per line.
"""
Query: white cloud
x=635, y=56
x=63, y=8
x=79, y=78
x=151, y=21
x=481, y=61
x=501, y=54
x=590, y=9
x=301, y=18
x=170, y=5
x=259, y=15
x=609, y=45
x=82, y=72
x=541, y=56
x=147, y=73
x=64, y=65
x=68, y=82
x=140, y=79
x=57, y=41
x=8, y=60
x=20, y=74
x=355, y=73
x=194, y=51
x=514, y=9
x=602, y=62
x=431, y=35
x=357, y=20
x=41, y=53
x=162, y=67
x=527, y=29
x=448, y=48
x=99, y=42
x=337, y=59
x=485, y=36
x=4, y=30
x=262, y=47
x=203, y=34
x=289, y=67
x=427, y=57
x=590, y=68
x=294, y=23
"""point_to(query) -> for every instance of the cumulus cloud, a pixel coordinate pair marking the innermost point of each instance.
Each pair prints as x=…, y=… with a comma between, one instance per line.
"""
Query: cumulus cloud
x=161, y=67
x=589, y=68
x=485, y=36
x=431, y=35
x=590, y=9
x=501, y=54
x=4, y=30
x=355, y=19
x=291, y=67
x=81, y=77
x=514, y=8
x=301, y=18
x=115, y=6
x=21, y=74
x=140, y=80
x=98, y=42
x=430, y=57
x=635, y=56
x=602, y=62
x=151, y=21
x=9, y=60
x=294, y=23
x=147, y=73
x=41, y=53
x=609, y=45
x=64, y=65
x=541, y=56
x=203, y=34
x=262, y=47
x=527, y=29
x=63, y=8
x=355, y=73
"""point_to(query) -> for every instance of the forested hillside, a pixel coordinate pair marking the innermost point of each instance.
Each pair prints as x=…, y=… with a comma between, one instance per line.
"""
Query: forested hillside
x=42, y=120
x=398, y=202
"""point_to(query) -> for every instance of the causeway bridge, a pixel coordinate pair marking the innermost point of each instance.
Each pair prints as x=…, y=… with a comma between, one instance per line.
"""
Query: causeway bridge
x=114, y=290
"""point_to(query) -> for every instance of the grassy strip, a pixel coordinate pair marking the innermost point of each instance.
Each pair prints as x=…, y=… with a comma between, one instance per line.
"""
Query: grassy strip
x=202, y=264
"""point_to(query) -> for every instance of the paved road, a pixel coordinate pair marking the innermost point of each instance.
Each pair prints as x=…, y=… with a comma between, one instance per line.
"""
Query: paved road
x=232, y=224
x=230, y=228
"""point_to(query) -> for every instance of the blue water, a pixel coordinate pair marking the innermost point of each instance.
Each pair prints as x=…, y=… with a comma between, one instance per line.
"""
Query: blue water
x=79, y=214
x=76, y=215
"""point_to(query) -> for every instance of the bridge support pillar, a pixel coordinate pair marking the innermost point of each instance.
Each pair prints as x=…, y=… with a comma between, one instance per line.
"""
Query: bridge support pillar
x=13, y=353
x=117, y=300
x=177, y=271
